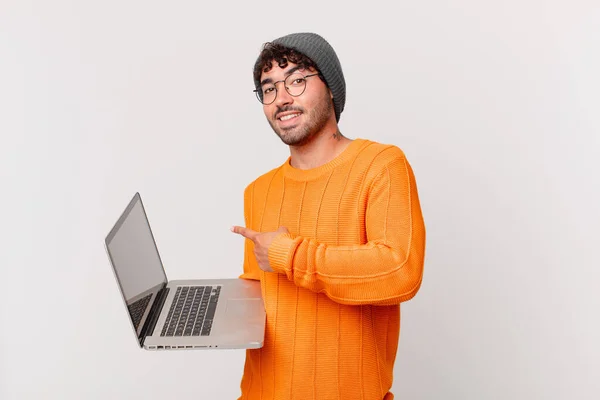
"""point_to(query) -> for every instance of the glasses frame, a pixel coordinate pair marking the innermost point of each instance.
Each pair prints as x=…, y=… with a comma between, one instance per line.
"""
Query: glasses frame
x=259, y=95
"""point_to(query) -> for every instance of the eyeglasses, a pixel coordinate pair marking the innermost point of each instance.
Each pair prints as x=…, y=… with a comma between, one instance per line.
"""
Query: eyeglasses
x=295, y=84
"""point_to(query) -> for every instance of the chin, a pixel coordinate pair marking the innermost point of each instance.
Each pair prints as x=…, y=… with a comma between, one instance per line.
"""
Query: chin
x=295, y=138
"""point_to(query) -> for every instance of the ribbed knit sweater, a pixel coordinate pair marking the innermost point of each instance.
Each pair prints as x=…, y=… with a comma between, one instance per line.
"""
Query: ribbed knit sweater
x=355, y=251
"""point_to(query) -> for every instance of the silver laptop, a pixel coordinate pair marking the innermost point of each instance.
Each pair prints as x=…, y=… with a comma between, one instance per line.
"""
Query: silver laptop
x=184, y=314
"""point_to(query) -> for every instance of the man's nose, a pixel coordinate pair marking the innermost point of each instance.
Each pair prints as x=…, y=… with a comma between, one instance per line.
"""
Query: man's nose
x=283, y=97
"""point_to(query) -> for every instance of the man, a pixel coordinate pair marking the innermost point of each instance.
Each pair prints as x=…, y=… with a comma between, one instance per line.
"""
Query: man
x=335, y=235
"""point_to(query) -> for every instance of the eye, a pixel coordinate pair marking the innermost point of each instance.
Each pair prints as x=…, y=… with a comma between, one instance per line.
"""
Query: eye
x=297, y=81
x=268, y=90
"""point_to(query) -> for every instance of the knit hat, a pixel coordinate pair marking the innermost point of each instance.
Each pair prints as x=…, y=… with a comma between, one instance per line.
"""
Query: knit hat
x=320, y=51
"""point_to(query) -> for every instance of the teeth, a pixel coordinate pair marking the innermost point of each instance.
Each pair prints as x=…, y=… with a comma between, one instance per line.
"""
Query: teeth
x=286, y=117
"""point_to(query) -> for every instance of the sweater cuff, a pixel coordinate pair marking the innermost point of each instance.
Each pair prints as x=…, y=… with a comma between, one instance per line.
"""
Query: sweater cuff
x=281, y=253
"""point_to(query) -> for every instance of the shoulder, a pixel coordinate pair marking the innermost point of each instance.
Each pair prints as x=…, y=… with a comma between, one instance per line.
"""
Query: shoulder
x=375, y=156
x=261, y=183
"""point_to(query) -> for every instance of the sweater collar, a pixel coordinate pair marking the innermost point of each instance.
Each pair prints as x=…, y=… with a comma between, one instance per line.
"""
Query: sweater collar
x=308, y=174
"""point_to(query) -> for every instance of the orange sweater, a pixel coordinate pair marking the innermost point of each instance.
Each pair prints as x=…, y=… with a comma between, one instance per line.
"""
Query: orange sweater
x=355, y=251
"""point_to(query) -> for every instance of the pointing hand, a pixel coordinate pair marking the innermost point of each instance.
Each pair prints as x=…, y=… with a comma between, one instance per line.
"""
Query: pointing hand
x=262, y=241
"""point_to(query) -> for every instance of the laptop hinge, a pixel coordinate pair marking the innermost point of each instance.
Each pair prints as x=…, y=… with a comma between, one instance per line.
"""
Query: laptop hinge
x=150, y=324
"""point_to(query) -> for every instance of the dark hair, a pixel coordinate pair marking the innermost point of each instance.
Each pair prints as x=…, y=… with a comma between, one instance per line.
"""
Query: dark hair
x=282, y=55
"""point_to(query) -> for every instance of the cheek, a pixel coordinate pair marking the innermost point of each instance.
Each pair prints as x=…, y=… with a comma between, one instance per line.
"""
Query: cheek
x=268, y=112
x=315, y=99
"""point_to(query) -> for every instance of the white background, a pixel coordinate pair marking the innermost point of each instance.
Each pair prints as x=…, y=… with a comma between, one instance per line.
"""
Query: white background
x=496, y=105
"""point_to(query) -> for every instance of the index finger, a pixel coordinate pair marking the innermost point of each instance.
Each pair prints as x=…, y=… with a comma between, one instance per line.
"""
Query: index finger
x=245, y=232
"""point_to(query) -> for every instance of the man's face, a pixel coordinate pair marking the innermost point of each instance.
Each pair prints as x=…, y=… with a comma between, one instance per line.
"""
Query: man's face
x=304, y=115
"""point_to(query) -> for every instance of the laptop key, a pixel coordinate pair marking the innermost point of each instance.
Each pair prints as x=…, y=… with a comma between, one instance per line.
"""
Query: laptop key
x=205, y=332
x=210, y=313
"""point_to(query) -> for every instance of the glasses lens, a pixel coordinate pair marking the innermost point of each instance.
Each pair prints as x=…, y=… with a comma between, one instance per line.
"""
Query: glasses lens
x=295, y=84
x=268, y=93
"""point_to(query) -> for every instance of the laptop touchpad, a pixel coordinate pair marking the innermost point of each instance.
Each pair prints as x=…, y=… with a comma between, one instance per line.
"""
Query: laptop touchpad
x=243, y=307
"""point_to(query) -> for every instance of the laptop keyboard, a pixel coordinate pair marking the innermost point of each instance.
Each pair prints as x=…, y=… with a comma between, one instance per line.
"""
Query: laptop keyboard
x=192, y=311
x=136, y=310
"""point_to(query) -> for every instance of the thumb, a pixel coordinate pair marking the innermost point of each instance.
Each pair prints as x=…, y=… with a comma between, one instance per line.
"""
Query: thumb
x=283, y=229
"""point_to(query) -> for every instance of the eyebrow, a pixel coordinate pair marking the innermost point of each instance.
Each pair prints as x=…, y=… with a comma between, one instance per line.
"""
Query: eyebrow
x=288, y=73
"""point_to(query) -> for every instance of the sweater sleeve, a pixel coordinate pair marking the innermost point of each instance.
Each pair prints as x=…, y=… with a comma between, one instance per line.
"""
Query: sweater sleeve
x=386, y=270
x=251, y=269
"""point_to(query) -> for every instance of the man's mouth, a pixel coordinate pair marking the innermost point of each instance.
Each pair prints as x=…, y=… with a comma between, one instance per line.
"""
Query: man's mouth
x=288, y=117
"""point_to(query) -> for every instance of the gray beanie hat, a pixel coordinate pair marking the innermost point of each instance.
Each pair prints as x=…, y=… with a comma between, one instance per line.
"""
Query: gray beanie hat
x=320, y=51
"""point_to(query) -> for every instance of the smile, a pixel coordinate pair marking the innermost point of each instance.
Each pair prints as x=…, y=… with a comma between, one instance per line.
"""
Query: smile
x=288, y=117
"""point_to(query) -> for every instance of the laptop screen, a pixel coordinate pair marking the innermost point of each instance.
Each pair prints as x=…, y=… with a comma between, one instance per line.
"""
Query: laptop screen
x=136, y=262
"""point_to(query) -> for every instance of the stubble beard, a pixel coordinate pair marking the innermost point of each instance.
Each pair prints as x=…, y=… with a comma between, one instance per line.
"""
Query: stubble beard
x=315, y=121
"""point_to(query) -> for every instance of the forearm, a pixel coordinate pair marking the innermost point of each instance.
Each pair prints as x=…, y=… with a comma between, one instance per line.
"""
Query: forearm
x=374, y=273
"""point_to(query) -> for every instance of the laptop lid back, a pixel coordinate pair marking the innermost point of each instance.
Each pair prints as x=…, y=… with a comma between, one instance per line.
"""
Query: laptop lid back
x=137, y=265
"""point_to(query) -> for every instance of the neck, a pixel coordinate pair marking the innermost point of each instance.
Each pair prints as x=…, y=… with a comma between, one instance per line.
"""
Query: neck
x=322, y=148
